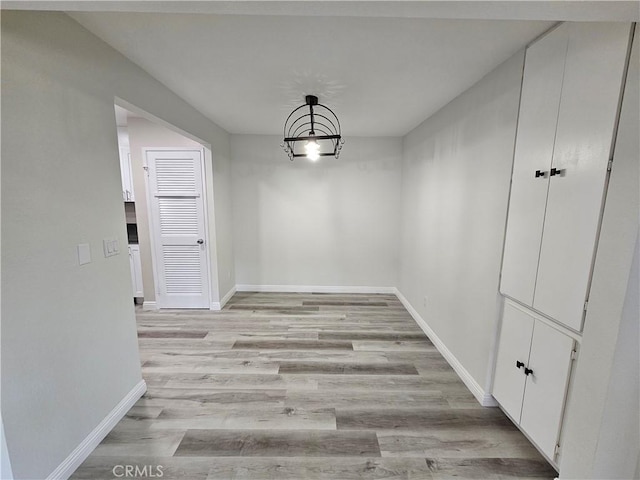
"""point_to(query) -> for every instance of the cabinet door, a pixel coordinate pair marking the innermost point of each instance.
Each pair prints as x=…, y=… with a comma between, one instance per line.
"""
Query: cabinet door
x=539, y=103
x=126, y=174
x=132, y=197
x=515, y=341
x=136, y=270
x=594, y=69
x=546, y=387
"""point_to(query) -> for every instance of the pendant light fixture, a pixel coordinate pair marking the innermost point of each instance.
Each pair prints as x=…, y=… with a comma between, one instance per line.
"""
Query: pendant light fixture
x=317, y=130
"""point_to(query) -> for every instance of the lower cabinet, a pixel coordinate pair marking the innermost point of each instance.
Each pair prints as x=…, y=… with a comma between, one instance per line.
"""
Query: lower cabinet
x=532, y=375
x=136, y=270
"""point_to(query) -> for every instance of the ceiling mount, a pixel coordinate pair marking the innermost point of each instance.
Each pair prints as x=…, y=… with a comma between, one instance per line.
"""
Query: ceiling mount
x=318, y=124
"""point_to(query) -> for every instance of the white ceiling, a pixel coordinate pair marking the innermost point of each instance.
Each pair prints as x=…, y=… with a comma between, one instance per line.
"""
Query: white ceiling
x=383, y=67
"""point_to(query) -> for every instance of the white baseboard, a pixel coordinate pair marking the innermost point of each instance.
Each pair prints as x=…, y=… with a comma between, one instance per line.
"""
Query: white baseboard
x=488, y=400
x=149, y=305
x=227, y=297
x=220, y=305
x=82, y=451
x=313, y=289
x=485, y=399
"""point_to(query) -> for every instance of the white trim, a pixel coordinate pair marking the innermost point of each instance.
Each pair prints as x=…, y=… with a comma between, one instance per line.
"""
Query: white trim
x=220, y=305
x=147, y=305
x=552, y=323
x=485, y=399
x=488, y=400
x=210, y=224
x=82, y=451
x=228, y=296
x=493, y=351
x=314, y=289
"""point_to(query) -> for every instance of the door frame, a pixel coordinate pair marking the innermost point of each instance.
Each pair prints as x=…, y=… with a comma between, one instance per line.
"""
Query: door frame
x=152, y=239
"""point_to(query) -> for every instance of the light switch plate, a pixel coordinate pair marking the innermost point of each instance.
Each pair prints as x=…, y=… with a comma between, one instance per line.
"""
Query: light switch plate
x=84, y=254
x=110, y=247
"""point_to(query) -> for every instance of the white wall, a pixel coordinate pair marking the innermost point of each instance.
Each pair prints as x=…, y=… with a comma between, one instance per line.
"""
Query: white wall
x=601, y=436
x=619, y=440
x=455, y=190
x=69, y=349
x=329, y=223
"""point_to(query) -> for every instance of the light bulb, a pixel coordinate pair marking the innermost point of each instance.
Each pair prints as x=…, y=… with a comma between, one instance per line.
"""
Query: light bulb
x=312, y=149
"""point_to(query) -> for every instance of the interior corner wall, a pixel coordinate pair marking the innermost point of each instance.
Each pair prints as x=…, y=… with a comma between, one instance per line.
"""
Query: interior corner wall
x=455, y=190
x=69, y=347
x=328, y=223
x=146, y=134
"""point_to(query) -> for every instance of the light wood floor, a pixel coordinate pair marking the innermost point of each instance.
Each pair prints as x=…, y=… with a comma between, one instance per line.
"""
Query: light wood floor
x=306, y=386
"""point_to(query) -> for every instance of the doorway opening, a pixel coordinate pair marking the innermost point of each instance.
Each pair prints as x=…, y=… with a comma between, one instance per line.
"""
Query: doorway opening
x=165, y=195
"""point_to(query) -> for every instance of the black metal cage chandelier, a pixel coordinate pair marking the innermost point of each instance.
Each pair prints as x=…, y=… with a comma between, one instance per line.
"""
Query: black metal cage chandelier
x=318, y=129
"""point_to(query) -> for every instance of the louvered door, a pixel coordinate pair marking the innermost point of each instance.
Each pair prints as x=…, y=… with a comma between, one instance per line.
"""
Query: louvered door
x=178, y=228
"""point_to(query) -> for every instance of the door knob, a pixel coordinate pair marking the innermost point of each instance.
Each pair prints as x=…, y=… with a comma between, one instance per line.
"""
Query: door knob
x=200, y=241
x=528, y=371
x=519, y=364
x=540, y=173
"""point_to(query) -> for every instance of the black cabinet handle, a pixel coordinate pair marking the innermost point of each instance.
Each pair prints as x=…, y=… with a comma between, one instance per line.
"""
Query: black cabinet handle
x=555, y=171
x=528, y=371
x=540, y=173
x=519, y=364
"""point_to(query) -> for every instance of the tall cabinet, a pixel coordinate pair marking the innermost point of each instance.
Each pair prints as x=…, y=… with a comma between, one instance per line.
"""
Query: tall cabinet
x=571, y=94
x=570, y=100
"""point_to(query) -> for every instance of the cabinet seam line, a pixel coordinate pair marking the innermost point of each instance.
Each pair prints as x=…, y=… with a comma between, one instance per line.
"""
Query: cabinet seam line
x=553, y=152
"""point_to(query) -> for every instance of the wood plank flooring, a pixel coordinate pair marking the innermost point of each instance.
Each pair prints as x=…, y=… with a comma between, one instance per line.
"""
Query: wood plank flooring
x=305, y=386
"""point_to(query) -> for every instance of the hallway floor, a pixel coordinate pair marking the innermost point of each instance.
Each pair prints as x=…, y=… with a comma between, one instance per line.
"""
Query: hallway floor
x=305, y=386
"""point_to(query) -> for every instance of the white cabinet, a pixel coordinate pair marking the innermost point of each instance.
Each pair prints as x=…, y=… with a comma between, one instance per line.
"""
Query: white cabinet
x=125, y=164
x=569, y=105
x=539, y=104
x=513, y=356
x=136, y=270
x=126, y=173
x=532, y=374
x=591, y=91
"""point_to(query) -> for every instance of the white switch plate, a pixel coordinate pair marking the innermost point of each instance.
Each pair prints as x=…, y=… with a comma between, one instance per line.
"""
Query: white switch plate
x=110, y=247
x=84, y=254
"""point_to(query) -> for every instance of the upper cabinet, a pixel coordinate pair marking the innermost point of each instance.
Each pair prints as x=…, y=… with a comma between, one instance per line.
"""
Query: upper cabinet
x=127, y=176
x=125, y=165
x=571, y=93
